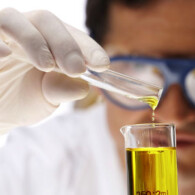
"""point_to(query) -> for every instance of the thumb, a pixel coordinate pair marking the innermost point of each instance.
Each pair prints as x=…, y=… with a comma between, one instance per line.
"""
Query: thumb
x=4, y=49
x=58, y=88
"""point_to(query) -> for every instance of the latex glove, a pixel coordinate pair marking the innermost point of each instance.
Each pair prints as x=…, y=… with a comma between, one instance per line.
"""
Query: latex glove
x=33, y=45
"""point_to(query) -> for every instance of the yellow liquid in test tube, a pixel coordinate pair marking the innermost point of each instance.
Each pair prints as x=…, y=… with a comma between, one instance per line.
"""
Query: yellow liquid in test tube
x=152, y=171
x=152, y=101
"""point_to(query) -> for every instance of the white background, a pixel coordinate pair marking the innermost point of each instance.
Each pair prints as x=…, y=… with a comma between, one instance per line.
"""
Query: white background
x=70, y=11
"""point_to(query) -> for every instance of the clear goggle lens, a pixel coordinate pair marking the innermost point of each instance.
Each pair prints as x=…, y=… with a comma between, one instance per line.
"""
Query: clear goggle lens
x=190, y=85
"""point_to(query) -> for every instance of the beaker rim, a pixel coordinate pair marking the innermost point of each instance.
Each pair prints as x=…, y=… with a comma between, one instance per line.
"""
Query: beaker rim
x=152, y=125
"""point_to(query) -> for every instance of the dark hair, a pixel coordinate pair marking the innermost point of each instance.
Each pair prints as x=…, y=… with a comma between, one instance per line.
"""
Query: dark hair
x=97, y=15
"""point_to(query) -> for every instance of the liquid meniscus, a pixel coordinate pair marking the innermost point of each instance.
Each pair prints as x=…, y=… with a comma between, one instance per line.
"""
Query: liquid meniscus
x=152, y=171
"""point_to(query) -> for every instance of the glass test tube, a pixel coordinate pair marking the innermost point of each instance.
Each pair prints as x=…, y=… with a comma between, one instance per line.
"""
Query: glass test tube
x=151, y=159
x=124, y=85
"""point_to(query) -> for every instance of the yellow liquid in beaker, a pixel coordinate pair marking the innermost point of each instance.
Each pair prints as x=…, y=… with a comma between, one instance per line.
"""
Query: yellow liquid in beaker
x=152, y=171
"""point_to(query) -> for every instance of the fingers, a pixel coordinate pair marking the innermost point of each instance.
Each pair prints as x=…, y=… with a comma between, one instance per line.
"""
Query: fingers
x=4, y=49
x=58, y=88
x=65, y=50
x=48, y=42
x=19, y=28
x=95, y=56
x=70, y=47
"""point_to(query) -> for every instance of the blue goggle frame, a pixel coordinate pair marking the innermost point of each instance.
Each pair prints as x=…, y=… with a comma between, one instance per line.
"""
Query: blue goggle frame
x=174, y=72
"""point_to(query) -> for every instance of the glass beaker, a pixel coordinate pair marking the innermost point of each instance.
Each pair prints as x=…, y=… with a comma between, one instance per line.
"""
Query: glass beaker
x=151, y=159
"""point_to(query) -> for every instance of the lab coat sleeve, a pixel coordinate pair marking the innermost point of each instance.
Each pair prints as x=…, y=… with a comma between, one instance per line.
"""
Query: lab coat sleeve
x=13, y=167
x=41, y=161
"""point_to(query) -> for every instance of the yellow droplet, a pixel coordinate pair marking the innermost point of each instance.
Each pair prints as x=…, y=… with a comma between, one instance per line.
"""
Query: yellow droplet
x=153, y=116
x=152, y=101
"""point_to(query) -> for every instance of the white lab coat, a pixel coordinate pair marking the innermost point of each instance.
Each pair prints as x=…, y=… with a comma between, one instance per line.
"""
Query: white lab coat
x=67, y=155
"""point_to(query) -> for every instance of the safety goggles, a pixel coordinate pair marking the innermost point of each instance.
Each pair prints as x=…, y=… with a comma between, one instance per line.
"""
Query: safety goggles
x=161, y=72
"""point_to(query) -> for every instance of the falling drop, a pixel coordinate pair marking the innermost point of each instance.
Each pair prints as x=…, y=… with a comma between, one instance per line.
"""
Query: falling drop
x=153, y=116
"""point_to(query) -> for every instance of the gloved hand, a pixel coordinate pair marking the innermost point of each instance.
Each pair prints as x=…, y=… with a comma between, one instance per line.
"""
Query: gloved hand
x=34, y=47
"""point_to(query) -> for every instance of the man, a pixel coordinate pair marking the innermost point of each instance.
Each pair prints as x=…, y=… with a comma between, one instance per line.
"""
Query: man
x=83, y=153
